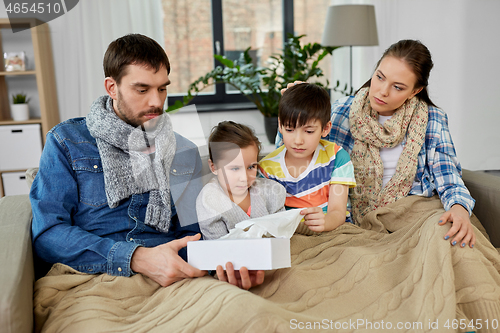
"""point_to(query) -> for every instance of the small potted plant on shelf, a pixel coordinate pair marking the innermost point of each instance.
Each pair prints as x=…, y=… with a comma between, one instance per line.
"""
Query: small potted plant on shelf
x=19, y=109
x=262, y=85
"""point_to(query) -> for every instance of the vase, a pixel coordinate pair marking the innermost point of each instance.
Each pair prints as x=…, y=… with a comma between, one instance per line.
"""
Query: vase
x=271, y=126
x=19, y=112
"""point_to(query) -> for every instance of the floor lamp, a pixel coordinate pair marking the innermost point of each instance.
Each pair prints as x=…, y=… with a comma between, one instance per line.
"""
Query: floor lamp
x=350, y=25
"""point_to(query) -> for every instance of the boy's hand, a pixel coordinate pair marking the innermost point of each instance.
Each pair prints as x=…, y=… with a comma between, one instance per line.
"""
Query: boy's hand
x=314, y=218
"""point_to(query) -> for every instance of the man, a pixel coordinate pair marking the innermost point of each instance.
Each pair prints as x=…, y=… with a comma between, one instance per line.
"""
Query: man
x=115, y=191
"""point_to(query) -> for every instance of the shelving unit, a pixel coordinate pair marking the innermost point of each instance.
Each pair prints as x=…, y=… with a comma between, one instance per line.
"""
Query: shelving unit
x=44, y=77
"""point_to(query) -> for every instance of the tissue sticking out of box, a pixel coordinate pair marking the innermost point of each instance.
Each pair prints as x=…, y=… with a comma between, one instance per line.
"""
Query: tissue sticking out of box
x=278, y=225
x=256, y=250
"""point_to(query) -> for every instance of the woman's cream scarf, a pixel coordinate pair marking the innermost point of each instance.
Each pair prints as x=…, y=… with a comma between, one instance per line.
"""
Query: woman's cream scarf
x=369, y=136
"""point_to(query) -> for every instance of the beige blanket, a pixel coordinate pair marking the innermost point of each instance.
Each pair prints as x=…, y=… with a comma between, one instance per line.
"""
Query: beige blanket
x=347, y=280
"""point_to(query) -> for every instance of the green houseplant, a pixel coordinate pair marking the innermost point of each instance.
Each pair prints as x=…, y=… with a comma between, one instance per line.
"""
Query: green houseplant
x=20, y=98
x=262, y=85
x=19, y=109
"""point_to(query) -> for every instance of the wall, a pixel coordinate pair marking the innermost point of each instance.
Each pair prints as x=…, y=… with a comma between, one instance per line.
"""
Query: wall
x=196, y=126
x=462, y=36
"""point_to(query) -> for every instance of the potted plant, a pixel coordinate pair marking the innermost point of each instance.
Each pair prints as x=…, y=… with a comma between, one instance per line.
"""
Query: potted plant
x=262, y=85
x=19, y=109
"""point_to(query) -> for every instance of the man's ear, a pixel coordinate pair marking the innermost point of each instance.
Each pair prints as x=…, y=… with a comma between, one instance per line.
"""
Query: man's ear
x=326, y=129
x=111, y=87
x=211, y=165
x=279, y=126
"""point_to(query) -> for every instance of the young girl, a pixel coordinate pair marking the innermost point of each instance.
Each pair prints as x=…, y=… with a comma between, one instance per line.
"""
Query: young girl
x=234, y=194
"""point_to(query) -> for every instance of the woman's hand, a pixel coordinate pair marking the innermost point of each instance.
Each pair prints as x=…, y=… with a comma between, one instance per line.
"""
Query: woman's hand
x=243, y=278
x=291, y=85
x=461, y=227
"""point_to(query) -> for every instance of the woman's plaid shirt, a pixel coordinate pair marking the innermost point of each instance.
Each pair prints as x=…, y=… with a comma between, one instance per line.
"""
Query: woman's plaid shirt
x=438, y=169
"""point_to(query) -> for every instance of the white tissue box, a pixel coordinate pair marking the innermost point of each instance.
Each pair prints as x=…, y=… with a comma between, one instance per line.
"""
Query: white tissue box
x=254, y=254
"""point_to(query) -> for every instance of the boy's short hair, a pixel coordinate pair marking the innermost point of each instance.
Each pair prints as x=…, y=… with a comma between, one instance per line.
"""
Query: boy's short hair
x=133, y=49
x=303, y=103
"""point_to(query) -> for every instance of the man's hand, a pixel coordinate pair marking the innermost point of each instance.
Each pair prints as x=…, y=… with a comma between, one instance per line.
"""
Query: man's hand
x=243, y=278
x=461, y=227
x=163, y=264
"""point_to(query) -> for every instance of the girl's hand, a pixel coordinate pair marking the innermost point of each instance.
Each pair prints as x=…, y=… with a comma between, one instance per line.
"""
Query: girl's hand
x=461, y=227
x=314, y=218
x=243, y=278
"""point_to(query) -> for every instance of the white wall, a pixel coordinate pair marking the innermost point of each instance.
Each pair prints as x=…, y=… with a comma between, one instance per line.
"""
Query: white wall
x=462, y=36
x=196, y=126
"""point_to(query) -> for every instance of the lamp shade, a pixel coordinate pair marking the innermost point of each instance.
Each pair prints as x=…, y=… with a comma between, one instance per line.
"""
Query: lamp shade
x=350, y=25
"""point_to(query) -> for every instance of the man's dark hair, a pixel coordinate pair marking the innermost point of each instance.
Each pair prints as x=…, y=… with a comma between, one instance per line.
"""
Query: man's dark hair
x=303, y=103
x=133, y=49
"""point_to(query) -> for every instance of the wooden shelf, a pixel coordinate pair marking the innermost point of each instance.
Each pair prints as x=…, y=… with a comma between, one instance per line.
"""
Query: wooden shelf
x=6, y=23
x=14, y=122
x=43, y=75
x=10, y=171
x=18, y=73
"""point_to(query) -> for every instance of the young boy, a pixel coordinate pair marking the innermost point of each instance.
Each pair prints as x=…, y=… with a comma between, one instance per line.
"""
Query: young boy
x=316, y=173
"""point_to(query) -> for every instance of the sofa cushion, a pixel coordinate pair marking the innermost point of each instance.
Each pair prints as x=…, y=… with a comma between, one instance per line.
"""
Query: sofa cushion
x=485, y=189
x=30, y=176
x=16, y=280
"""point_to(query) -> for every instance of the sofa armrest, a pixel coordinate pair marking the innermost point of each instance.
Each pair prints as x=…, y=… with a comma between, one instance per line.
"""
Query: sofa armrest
x=485, y=189
x=16, y=262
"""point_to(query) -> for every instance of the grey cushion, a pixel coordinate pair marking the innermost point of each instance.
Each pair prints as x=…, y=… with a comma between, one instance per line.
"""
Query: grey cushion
x=16, y=258
x=30, y=176
x=485, y=189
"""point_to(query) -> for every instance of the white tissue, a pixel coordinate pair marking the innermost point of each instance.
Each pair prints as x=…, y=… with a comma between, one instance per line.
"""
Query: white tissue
x=278, y=225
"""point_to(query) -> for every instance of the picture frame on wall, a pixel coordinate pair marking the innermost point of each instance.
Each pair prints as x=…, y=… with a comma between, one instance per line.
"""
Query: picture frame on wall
x=15, y=61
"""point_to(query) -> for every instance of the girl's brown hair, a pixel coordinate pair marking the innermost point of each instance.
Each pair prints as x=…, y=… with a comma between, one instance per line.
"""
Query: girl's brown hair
x=228, y=135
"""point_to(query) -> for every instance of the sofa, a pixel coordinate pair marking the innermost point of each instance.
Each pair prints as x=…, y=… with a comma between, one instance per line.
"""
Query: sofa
x=17, y=261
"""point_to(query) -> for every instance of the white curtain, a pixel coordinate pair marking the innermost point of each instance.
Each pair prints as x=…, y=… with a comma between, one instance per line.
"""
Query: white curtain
x=80, y=39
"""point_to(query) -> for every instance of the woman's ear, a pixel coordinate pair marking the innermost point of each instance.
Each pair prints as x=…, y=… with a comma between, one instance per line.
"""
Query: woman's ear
x=415, y=91
x=211, y=165
x=111, y=87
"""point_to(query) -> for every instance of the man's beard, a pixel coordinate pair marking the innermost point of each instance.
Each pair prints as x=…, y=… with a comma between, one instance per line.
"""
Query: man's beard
x=126, y=114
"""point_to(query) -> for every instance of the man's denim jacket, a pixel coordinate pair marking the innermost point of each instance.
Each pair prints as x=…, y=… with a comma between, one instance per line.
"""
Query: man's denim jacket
x=72, y=222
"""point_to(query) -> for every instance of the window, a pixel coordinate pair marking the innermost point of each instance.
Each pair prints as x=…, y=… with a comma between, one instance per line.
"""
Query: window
x=188, y=35
x=309, y=19
x=196, y=29
x=256, y=23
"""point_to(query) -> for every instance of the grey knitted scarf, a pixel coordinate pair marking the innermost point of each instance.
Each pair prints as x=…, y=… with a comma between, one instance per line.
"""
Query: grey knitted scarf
x=127, y=168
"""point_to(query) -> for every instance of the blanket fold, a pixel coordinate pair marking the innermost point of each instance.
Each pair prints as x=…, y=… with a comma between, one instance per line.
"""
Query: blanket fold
x=349, y=275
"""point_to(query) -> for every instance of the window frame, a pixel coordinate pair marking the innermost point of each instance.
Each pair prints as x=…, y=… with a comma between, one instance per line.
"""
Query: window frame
x=220, y=100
